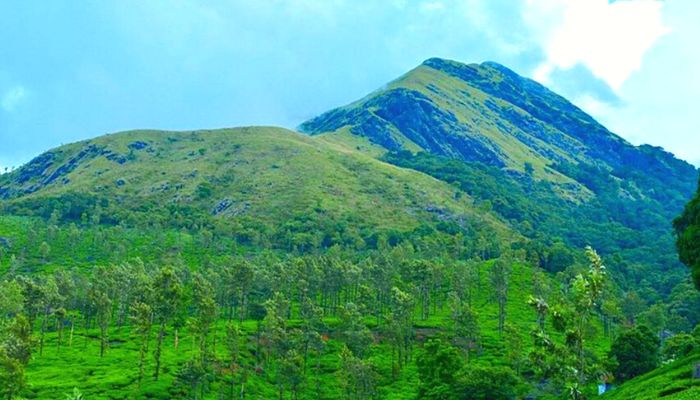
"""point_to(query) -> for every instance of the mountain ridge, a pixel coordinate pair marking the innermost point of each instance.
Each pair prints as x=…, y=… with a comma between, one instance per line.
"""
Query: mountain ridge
x=530, y=112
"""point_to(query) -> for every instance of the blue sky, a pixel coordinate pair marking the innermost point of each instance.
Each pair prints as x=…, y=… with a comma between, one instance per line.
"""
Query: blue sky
x=71, y=70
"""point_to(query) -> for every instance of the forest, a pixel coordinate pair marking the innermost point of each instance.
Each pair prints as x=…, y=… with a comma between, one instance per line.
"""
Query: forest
x=188, y=314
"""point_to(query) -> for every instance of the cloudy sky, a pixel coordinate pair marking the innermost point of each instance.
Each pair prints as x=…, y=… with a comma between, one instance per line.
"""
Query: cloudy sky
x=71, y=70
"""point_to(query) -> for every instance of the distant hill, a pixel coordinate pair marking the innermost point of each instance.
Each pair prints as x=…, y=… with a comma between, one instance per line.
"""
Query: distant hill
x=265, y=185
x=487, y=113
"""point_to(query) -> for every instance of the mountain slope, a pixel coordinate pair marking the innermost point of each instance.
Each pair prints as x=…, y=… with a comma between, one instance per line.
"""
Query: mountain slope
x=254, y=181
x=541, y=162
x=487, y=113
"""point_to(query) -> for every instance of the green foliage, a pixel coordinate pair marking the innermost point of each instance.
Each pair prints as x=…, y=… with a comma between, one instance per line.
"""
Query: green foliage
x=688, y=236
x=354, y=333
x=357, y=377
x=635, y=351
x=12, y=379
x=679, y=346
x=336, y=274
x=487, y=383
x=437, y=365
x=641, y=241
x=15, y=353
x=295, y=347
x=76, y=395
x=326, y=194
x=444, y=376
x=571, y=364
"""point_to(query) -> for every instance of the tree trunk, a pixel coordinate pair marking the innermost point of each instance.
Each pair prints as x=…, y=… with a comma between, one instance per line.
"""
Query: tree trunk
x=142, y=356
x=159, y=347
x=43, y=331
x=103, y=339
x=233, y=381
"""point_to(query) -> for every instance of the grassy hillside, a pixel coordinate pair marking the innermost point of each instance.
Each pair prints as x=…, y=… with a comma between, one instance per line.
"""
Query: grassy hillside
x=487, y=113
x=263, y=185
x=673, y=382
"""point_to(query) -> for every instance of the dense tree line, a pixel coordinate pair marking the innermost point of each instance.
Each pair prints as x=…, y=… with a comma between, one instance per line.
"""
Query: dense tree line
x=309, y=305
x=628, y=222
x=299, y=304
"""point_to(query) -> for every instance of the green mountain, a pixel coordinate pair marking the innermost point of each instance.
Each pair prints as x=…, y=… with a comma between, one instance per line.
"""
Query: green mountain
x=263, y=185
x=487, y=113
x=543, y=164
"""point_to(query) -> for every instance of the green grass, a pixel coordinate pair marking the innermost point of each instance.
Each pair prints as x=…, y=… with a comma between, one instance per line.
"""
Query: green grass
x=673, y=382
x=467, y=104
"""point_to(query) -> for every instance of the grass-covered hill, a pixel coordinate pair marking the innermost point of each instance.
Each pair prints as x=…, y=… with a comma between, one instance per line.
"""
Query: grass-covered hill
x=263, y=185
x=538, y=160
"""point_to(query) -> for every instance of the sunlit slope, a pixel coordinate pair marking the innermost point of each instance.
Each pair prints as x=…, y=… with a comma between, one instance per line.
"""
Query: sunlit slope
x=262, y=175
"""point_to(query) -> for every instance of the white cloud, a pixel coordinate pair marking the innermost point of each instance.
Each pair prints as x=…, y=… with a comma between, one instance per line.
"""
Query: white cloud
x=593, y=106
x=610, y=39
x=12, y=98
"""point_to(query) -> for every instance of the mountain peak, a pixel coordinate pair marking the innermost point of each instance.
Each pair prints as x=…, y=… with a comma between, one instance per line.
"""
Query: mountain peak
x=449, y=66
x=485, y=113
x=437, y=62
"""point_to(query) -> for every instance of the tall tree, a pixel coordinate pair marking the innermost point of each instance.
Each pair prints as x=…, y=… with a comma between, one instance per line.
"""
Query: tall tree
x=15, y=352
x=687, y=227
x=513, y=347
x=103, y=309
x=233, y=348
x=204, y=315
x=437, y=364
x=465, y=326
x=500, y=277
x=354, y=333
x=167, y=289
x=357, y=377
x=400, y=328
x=142, y=320
x=49, y=299
x=635, y=352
